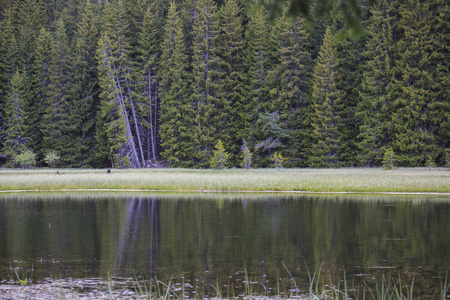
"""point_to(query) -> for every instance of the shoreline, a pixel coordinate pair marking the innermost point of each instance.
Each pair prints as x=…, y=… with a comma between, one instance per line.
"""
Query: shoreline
x=227, y=192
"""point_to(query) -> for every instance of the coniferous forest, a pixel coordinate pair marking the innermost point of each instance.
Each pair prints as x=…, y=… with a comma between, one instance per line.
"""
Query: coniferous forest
x=133, y=83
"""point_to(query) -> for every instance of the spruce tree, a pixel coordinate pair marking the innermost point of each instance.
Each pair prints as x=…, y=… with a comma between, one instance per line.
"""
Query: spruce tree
x=7, y=55
x=212, y=110
x=230, y=47
x=84, y=106
x=440, y=62
x=374, y=109
x=326, y=98
x=412, y=87
x=30, y=16
x=176, y=113
x=350, y=61
x=148, y=55
x=55, y=126
x=292, y=86
x=7, y=45
x=40, y=87
x=14, y=132
x=259, y=60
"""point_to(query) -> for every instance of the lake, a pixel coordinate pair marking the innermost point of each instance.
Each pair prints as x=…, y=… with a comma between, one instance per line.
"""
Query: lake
x=201, y=243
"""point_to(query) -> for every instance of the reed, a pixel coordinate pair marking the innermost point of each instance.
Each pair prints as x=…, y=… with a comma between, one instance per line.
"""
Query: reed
x=403, y=180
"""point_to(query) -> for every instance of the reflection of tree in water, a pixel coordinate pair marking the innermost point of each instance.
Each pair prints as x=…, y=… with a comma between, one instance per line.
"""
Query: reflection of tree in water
x=140, y=234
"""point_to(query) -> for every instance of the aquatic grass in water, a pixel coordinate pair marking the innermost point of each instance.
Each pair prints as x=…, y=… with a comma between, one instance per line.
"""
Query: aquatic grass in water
x=139, y=288
x=231, y=180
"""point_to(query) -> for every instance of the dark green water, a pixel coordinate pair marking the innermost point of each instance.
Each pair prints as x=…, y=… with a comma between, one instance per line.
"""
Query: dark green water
x=204, y=239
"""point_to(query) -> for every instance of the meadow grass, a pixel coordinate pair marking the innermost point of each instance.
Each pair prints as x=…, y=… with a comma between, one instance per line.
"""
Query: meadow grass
x=402, y=180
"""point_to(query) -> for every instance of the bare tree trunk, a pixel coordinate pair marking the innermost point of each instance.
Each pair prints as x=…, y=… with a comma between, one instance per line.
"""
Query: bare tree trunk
x=155, y=120
x=123, y=111
x=150, y=117
x=138, y=134
x=133, y=111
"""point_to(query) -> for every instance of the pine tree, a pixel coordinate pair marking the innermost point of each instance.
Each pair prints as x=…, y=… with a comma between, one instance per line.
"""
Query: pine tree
x=212, y=111
x=83, y=108
x=230, y=47
x=14, y=133
x=412, y=87
x=176, y=113
x=374, y=109
x=55, y=127
x=292, y=86
x=327, y=98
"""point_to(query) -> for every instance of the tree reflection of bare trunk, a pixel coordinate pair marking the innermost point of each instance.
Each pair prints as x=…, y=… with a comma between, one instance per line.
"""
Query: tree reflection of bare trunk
x=142, y=216
x=154, y=236
x=130, y=232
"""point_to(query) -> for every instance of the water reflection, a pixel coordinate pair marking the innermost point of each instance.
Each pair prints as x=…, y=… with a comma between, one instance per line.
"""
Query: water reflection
x=216, y=237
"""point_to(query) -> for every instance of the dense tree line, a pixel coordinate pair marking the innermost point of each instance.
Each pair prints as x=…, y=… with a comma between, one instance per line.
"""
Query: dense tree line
x=128, y=83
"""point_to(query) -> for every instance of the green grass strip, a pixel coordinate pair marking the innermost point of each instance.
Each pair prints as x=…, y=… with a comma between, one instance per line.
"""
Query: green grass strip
x=354, y=180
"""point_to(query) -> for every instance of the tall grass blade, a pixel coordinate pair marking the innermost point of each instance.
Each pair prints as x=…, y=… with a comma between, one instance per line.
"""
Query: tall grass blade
x=445, y=288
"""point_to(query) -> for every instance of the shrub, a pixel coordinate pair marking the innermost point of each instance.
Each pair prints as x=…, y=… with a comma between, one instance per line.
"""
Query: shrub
x=26, y=159
x=429, y=161
x=388, y=159
x=447, y=158
x=220, y=157
x=51, y=158
x=278, y=160
x=246, y=156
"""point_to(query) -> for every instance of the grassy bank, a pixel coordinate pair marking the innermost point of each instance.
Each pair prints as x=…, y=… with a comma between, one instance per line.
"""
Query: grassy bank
x=406, y=180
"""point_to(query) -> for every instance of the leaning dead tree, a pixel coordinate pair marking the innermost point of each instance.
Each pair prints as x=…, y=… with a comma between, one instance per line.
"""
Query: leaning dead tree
x=118, y=107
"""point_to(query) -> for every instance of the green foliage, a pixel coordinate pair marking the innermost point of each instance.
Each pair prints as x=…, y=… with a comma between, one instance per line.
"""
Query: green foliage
x=40, y=82
x=429, y=161
x=230, y=48
x=270, y=136
x=269, y=125
x=374, y=111
x=26, y=159
x=412, y=86
x=278, y=160
x=259, y=60
x=177, y=113
x=210, y=108
x=15, y=127
x=85, y=94
x=54, y=123
x=123, y=82
x=246, y=156
x=388, y=159
x=350, y=9
x=447, y=158
x=327, y=98
x=220, y=157
x=51, y=158
x=291, y=85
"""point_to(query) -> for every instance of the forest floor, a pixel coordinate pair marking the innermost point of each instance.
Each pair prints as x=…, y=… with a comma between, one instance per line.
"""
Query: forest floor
x=346, y=180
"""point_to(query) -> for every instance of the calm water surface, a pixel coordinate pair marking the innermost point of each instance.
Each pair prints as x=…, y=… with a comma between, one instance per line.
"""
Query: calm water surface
x=205, y=239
